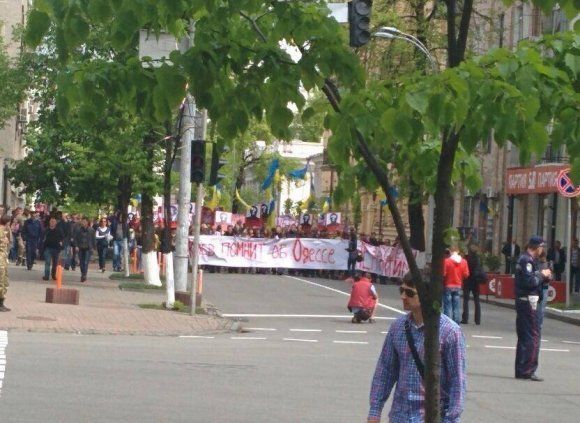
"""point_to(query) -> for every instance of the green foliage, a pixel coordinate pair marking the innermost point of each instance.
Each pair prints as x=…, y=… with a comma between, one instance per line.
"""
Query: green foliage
x=512, y=93
x=79, y=160
x=288, y=206
x=492, y=262
x=12, y=85
x=238, y=68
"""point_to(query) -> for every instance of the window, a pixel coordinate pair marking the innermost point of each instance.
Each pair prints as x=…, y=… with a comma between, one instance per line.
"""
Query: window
x=518, y=23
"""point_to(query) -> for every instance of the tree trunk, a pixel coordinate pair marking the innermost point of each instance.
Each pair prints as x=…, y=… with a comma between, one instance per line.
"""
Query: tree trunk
x=125, y=189
x=150, y=265
x=416, y=220
x=166, y=247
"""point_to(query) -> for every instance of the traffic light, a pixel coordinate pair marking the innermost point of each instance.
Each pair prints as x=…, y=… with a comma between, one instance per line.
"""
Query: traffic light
x=359, y=20
x=197, y=161
x=217, y=161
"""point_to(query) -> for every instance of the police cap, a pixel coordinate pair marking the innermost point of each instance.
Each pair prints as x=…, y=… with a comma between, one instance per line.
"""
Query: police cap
x=536, y=241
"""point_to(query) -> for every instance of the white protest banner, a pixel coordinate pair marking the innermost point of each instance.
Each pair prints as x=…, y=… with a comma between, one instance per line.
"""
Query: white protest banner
x=289, y=253
x=300, y=253
x=386, y=261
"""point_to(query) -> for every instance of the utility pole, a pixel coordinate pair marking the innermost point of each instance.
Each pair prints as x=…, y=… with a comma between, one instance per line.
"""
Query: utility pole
x=186, y=135
x=184, y=201
x=196, y=227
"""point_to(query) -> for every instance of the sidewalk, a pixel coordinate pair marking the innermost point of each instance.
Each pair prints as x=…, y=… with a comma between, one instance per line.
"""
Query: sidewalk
x=572, y=317
x=103, y=308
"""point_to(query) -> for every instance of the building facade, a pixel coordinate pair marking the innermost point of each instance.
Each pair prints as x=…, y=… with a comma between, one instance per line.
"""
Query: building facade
x=12, y=13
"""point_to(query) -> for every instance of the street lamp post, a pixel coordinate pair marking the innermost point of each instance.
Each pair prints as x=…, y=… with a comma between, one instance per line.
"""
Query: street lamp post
x=391, y=33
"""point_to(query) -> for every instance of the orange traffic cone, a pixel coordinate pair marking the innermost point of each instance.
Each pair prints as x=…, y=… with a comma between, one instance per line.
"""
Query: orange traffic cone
x=59, y=276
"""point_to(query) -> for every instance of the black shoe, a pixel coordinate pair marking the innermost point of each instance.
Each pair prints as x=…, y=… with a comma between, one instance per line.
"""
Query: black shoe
x=83, y=278
x=44, y=278
x=4, y=308
x=67, y=268
x=464, y=322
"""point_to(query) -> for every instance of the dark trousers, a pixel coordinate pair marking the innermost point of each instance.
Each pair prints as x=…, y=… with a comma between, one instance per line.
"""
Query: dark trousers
x=102, y=251
x=84, y=257
x=31, y=246
x=73, y=257
x=574, y=278
x=473, y=288
x=350, y=266
x=50, y=261
x=509, y=265
x=529, y=337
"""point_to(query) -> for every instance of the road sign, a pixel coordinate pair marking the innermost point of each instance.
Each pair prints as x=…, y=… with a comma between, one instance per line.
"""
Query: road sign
x=566, y=187
x=551, y=293
x=492, y=284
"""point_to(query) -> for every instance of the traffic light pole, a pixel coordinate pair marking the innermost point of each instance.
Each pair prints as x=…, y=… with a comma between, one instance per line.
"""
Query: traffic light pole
x=195, y=248
x=184, y=200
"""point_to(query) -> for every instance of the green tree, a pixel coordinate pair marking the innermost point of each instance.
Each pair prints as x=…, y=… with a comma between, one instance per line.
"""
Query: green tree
x=12, y=85
x=430, y=126
x=239, y=69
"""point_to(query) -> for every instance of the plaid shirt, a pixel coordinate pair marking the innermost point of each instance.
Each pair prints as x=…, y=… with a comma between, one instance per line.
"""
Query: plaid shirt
x=396, y=365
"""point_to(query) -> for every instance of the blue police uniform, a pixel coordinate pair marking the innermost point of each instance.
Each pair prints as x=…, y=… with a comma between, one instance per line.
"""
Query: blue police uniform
x=31, y=234
x=528, y=281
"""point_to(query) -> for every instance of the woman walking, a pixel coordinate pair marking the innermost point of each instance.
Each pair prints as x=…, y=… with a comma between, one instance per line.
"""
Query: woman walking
x=103, y=236
x=4, y=246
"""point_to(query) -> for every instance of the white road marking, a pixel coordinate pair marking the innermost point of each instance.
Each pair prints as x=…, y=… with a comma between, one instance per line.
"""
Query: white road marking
x=545, y=340
x=261, y=329
x=500, y=347
x=513, y=348
x=299, y=340
x=571, y=342
x=311, y=316
x=396, y=310
x=351, y=331
x=305, y=330
x=350, y=342
x=251, y=338
x=3, y=345
x=197, y=336
x=385, y=332
x=486, y=337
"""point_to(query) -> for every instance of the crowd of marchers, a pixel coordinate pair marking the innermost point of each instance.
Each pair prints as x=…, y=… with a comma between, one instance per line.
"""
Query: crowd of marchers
x=70, y=238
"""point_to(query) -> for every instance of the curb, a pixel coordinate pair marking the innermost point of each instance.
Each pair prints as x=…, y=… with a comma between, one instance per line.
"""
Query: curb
x=549, y=313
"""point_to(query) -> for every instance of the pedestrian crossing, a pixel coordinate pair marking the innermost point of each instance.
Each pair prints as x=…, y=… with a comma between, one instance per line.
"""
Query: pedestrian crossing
x=3, y=345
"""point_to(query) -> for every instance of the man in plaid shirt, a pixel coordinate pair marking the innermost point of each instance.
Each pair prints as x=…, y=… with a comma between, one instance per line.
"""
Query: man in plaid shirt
x=396, y=365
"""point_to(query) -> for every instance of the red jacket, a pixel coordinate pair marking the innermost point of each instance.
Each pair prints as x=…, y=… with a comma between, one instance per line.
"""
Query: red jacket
x=455, y=271
x=361, y=294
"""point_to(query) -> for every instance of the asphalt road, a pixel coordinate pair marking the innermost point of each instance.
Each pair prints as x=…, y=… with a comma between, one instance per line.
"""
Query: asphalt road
x=297, y=359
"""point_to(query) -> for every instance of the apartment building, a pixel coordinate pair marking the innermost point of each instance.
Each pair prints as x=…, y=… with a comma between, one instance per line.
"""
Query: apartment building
x=12, y=13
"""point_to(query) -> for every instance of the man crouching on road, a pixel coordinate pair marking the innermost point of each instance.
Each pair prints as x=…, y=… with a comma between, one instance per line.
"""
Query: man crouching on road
x=401, y=363
x=363, y=299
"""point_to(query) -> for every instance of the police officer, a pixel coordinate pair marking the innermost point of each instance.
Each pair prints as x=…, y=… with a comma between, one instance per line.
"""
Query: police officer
x=528, y=287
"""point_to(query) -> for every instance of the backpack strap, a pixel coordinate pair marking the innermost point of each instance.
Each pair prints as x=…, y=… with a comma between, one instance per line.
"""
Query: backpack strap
x=411, y=342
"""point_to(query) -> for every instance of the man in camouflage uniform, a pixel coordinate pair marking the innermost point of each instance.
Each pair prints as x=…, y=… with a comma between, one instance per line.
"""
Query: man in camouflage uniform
x=4, y=247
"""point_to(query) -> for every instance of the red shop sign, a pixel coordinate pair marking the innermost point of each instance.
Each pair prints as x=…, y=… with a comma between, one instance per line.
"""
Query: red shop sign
x=533, y=180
